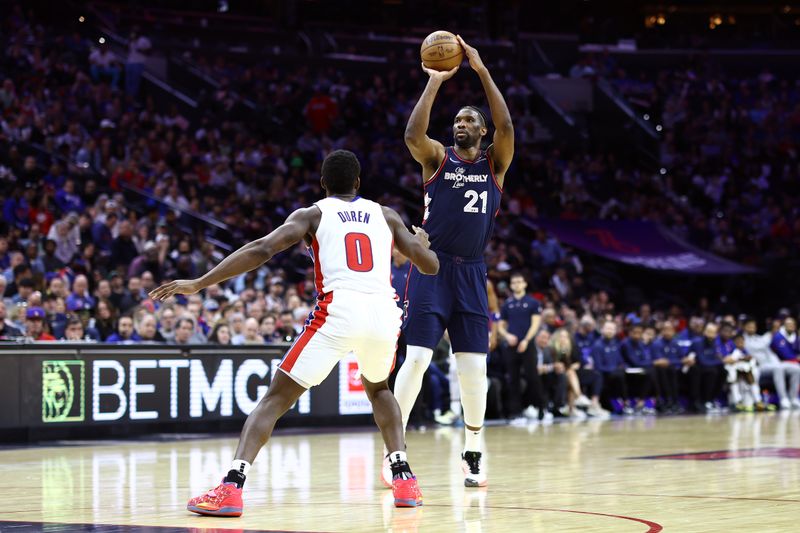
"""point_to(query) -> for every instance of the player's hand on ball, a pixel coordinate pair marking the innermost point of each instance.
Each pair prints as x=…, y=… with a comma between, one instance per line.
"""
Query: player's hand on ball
x=179, y=286
x=474, y=57
x=422, y=236
x=440, y=75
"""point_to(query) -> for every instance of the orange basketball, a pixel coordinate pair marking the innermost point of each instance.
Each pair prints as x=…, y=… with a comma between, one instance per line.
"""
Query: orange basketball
x=441, y=51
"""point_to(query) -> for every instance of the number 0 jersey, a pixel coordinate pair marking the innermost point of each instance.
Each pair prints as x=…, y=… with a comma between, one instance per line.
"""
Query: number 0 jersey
x=352, y=248
x=461, y=201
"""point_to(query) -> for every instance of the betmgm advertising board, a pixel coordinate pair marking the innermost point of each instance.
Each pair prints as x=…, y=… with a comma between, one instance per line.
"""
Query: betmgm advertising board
x=112, y=385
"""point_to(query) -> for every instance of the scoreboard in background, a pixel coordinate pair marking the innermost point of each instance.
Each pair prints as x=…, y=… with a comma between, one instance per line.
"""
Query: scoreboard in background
x=86, y=384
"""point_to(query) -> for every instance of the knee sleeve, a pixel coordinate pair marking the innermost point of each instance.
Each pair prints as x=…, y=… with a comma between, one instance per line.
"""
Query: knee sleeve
x=473, y=384
x=409, y=378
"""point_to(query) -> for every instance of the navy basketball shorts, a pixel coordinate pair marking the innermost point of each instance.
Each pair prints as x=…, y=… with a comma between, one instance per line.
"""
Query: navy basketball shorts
x=455, y=300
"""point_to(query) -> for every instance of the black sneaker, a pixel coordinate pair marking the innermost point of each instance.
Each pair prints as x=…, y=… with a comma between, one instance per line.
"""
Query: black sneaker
x=474, y=475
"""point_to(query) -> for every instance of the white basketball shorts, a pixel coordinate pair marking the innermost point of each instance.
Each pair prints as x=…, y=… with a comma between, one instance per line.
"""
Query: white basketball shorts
x=342, y=322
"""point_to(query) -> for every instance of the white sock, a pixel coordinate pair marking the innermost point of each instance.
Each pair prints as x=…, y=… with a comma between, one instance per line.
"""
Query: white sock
x=398, y=457
x=472, y=440
x=409, y=379
x=243, y=467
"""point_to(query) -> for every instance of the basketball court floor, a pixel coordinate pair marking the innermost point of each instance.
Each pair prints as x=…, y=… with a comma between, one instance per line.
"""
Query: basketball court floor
x=684, y=474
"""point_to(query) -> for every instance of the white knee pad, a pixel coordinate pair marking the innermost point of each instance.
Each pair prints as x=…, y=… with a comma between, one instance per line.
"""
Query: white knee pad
x=472, y=379
x=409, y=378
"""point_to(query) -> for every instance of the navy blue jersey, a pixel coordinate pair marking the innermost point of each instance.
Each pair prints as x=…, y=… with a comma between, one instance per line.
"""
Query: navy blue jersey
x=518, y=314
x=461, y=201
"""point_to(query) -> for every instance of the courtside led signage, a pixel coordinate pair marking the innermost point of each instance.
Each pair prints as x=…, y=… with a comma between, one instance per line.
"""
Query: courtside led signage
x=63, y=391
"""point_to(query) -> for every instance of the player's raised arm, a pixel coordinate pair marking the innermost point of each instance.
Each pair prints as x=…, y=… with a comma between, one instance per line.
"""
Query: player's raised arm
x=415, y=247
x=426, y=151
x=502, y=149
x=248, y=257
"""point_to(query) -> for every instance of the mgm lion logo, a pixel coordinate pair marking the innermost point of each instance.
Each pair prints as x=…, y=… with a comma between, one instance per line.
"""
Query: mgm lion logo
x=62, y=391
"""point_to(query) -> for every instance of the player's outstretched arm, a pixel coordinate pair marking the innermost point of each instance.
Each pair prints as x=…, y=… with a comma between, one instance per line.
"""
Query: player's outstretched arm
x=426, y=151
x=248, y=257
x=414, y=246
x=502, y=149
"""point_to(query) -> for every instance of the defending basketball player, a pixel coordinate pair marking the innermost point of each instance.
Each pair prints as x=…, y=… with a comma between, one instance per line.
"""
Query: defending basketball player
x=463, y=185
x=350, y=239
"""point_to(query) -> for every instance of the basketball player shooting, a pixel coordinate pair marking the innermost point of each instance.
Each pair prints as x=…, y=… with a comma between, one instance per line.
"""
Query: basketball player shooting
x=350, y=239
x=462, y=185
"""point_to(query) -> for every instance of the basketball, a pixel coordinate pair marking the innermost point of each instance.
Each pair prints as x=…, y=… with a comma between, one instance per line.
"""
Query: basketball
x=441, y=51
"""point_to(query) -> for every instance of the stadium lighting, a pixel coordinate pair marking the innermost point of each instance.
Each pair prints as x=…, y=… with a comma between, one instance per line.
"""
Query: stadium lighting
x=658, y=127
x=662, y=171
x=646, y=116
x=81, y=19
x=101, y=40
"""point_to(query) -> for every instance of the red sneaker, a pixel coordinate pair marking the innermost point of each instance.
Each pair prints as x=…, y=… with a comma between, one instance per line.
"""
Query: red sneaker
x=225, y=500
x=406, y=492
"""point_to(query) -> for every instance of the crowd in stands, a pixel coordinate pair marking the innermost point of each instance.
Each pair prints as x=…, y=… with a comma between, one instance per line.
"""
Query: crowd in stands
x=78, y=256
x=728, y=149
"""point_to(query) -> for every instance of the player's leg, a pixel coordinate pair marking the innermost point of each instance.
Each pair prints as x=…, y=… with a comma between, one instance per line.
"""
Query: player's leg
x=307, y=363
x=282, y=394
x=386, y=412
x=226, y=499
x=469, y=334
x=426, y=309
x=473, y=384
x=409, y=378
x=375, y=353
x=387, y=416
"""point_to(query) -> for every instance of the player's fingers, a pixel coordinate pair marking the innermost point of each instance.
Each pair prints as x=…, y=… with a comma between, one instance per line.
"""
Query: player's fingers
x=154, y=293
x=160, y=293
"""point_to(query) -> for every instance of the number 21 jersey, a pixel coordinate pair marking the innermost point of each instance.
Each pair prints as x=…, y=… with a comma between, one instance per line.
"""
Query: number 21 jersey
x=461, y=201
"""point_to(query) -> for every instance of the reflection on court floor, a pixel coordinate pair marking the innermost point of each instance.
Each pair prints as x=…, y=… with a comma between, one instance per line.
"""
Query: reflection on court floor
x=564, y=477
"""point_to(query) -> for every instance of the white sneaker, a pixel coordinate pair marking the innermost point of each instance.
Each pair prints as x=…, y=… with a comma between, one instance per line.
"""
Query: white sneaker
x=474, y=474
x=578, y=414
x=531, y=412
x=445, y=419
x=520, y=421
x=598, y=412
x=796, y=403
x=386, y=473
x=548, y=418
x=582, y=401
x=785, y=404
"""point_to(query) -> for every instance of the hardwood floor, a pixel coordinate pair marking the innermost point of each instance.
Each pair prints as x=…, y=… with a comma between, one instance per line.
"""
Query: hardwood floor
x=589, y=476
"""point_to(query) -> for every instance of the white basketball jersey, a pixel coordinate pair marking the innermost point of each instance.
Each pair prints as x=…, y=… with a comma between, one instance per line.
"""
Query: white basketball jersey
x=352, y=248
